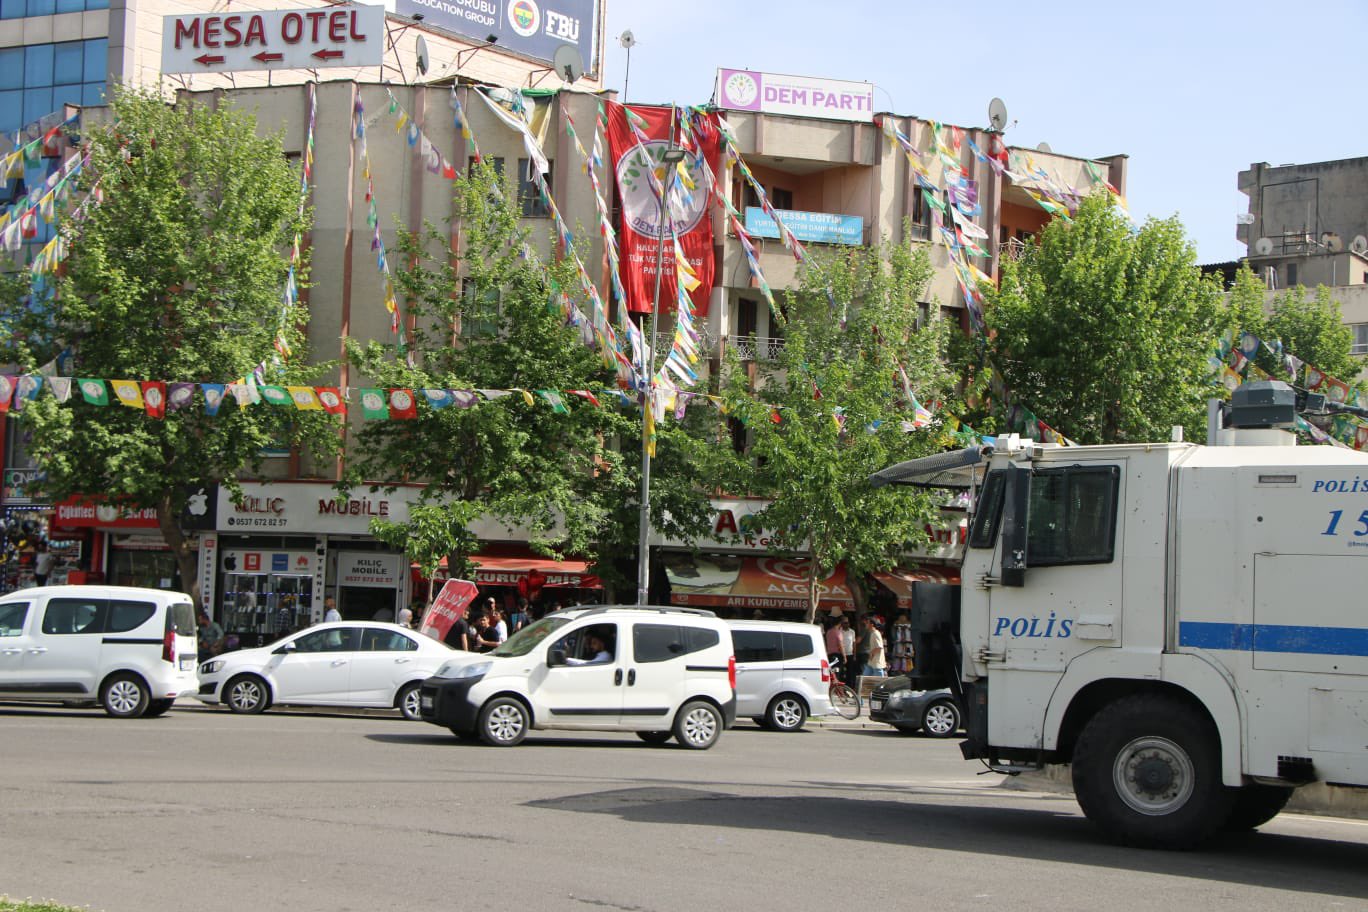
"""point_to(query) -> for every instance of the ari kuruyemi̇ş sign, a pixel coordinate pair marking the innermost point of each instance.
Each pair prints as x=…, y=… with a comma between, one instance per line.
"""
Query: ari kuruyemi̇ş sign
x=341, y=36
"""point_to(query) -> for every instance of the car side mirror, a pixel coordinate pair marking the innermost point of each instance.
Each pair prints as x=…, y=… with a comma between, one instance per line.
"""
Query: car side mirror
x=285, y=649
x=555, y=657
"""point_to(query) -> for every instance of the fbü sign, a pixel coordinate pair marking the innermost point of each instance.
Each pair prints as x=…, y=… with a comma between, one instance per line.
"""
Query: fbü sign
x=342, y=36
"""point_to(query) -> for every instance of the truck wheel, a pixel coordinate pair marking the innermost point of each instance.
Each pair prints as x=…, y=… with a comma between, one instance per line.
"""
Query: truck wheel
x=1255, y=805
x=1147, y=772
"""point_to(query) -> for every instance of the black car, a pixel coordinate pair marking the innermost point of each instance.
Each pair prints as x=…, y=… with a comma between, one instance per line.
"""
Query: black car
x=931, y=711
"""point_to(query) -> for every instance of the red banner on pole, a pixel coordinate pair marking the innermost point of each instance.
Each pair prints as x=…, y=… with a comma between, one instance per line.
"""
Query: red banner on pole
x=450, y=605
x=642, y=236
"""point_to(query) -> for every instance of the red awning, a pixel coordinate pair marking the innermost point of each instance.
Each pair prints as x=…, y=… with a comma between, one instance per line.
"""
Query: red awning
x=506, y=571
x=900, y=581
x=734, y=581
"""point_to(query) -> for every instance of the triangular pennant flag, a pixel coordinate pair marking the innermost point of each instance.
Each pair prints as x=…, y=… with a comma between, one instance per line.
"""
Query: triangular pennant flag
x=585, y=394
x=463, y=398
x=402, y=405
x=213, y=397
x=128, y=393
x=240, y=393
x=304, y=398
x=61, y=387
x=179, y=395
x=331, y=400
x=26, y=389
x=527, y=397
x=374, y=405
x=154, y=398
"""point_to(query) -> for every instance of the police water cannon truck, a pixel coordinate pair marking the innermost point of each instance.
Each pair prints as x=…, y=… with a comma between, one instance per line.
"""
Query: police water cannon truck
x=1184, y=625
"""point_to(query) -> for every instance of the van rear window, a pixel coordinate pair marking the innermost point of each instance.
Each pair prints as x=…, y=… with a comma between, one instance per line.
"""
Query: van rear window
x=126, y=616
x=797, y=645
x=180, y=617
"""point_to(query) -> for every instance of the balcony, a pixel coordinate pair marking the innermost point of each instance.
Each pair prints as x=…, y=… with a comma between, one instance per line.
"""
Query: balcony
x=756, y=348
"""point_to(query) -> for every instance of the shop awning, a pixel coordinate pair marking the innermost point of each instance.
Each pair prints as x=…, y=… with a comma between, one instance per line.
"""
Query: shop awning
x=507, y=571
x=900, y=581
x=735, y=581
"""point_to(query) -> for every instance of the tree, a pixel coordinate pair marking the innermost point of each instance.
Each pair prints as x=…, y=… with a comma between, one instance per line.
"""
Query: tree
x=177, y=275
x=560, y=465
x=1104, y=331
x=838, y=404
x=1309, y=327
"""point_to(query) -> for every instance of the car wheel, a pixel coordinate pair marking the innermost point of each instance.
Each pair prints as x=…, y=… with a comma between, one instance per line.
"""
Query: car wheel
x=1255, y=805
x=1147, y=772
x=125, y=696
x=247, y=694
x=786, y=713
x=503, y=722
x=158, y=708
x=940, y=719
x=409, y=703
x=654, y=737
x=698, y=725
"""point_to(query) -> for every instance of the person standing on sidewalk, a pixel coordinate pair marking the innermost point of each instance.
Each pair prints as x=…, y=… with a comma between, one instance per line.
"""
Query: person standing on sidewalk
x=872, y=646
x=849, y=671
x=835, y=647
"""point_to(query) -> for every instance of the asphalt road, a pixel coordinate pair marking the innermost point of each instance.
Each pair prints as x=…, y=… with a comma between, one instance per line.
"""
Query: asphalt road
x=205, y=811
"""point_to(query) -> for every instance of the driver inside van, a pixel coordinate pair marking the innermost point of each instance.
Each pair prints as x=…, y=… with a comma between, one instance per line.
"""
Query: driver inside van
x=597, y=651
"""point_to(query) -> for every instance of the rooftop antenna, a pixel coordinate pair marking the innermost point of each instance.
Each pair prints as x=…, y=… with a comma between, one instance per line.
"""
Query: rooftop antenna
x=997, y=115
x=1359, y=244
x=569, y=63
x=420, y=53
x=627, y=40
x=1263, y=246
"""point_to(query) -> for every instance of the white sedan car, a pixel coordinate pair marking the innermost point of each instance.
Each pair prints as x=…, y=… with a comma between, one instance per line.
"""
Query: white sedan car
x=344, y=663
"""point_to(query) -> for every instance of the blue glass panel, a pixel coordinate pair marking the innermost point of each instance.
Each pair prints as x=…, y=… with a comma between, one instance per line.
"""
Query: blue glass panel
x=11, y=110
x=70, y=6
x=93, y=93
x=65, y=95
x=67, y=60
x=41, y=7
x=13, y=9
x=37, y=102
x=97, y=4
x=12, y=68
x=38, y=65
x=96, y=59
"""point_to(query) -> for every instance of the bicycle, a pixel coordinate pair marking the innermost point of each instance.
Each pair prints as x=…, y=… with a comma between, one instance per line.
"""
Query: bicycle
x=845, y=700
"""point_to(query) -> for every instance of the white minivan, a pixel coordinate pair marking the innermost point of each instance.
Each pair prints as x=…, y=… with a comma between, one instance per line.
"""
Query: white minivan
x=659, y=672
x=782, y=673
x=131, y=649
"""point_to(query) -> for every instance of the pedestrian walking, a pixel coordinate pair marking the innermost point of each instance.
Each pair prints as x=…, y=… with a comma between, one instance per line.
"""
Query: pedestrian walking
x=42, y=564
x=875, y=664
x=330, y=612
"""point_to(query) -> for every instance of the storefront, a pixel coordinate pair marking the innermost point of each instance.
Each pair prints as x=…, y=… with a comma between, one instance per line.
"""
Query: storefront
x=125, y=547
x=511, y=571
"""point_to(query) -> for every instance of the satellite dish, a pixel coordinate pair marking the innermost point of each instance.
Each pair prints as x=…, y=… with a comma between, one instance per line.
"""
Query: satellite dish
x=1332, y=242
x=1359, y=244
x=569, y=63
x=1263, y=246
x=627, y=39
x=420, y=51
x=1044, y=147
x=997, y=115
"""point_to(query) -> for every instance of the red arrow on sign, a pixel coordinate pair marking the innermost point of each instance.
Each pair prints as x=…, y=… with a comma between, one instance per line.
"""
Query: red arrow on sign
x=268, y=58
x=327, y=54
x=207, y=59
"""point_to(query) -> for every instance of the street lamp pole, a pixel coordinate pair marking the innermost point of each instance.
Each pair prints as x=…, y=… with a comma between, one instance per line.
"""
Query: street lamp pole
x=671, y=157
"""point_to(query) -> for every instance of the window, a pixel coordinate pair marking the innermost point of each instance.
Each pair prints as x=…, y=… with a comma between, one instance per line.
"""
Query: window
x=35, y=81
x=757, y=646
x=781, y=198
x=375, y=640
x=1072, y=516
x=1291, y=274
x=126, y=616
x=797, y=645
x=988, y=510
x=663, y=642
x=69, y=615
x=12, y=618
x=336, y=639
x=584, y=644
x=480, y=309
x=1360, y=337
x=180, y=617
x=700, y=638
x=529, y=196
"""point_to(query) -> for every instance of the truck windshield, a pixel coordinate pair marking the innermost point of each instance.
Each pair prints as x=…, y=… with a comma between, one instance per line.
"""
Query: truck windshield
x=525, y=640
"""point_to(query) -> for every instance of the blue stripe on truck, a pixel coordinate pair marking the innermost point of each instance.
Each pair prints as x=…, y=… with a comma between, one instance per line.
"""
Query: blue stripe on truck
x=1346, y=641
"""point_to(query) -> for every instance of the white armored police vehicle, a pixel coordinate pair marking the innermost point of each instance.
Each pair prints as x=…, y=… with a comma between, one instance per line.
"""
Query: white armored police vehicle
x=1184, y=624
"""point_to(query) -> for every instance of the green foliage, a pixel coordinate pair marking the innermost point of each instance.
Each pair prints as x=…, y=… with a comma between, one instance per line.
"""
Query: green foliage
x=1309, y=327
x=488, y=317
x=1104, y=332
x=812, y=455
x=178, y=276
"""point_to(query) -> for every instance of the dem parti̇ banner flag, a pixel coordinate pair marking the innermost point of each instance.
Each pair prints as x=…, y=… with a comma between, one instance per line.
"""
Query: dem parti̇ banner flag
x=642, y=227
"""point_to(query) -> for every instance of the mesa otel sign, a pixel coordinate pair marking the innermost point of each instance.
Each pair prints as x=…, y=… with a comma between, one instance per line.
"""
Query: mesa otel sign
x=343, y=36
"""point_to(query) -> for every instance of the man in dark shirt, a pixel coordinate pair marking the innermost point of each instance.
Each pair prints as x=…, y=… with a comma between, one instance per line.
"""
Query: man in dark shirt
x=459, y=636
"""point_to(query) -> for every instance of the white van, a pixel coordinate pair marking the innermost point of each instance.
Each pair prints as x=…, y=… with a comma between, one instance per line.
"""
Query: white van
x=782, y=673
x=131, y=649
x=659, y=672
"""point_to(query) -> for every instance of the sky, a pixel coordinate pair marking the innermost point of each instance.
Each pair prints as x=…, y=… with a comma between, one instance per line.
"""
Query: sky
x=1194, y=92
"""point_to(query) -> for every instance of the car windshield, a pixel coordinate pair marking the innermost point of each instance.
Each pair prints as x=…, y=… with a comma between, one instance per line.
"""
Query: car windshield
x=525, y=640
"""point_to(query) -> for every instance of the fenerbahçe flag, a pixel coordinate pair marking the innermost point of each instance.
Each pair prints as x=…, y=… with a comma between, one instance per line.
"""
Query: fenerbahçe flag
x=633, y=163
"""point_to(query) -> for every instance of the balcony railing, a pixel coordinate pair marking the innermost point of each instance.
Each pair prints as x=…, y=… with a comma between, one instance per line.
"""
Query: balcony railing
x=756, y=348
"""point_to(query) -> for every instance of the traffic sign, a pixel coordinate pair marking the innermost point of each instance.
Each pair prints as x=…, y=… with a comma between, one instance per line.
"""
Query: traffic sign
x=340, y=36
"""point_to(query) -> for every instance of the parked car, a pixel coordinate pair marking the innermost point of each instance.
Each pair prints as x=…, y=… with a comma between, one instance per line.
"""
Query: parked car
x=659, y=672
x=782, y=673
x=131, y=649
x=931, y=711
x=342, y=663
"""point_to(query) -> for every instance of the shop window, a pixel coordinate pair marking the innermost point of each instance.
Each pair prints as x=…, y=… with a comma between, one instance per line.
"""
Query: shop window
x=378, y=640
x=757, y=646
x=64, y=616
x=126, y=616
x=1072, y=516
x=529, y=197
x=12, y=618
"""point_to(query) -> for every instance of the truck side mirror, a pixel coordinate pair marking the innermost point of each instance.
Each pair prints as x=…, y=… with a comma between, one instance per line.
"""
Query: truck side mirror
x=1015, y=501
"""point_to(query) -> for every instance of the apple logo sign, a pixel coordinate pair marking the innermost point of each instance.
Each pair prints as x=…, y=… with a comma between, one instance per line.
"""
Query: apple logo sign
x=198, y=503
